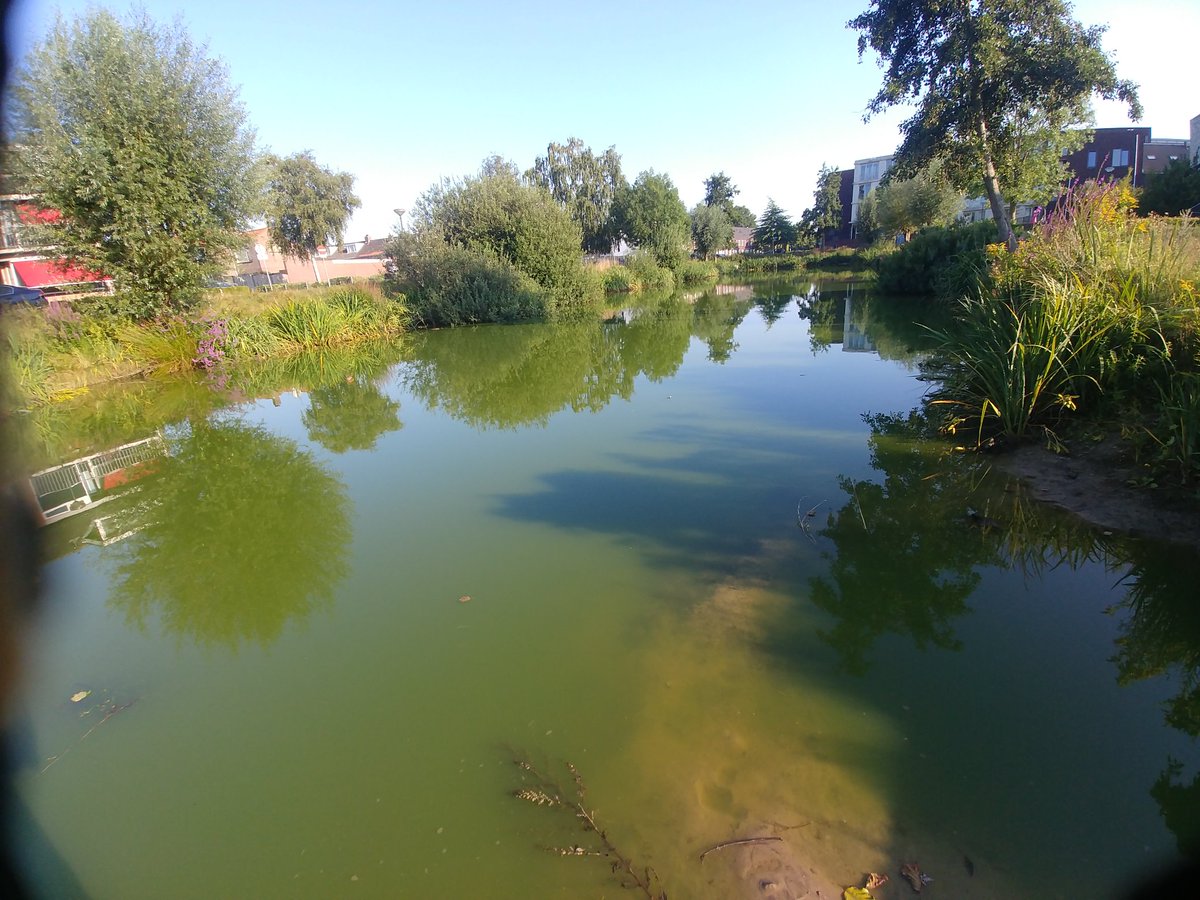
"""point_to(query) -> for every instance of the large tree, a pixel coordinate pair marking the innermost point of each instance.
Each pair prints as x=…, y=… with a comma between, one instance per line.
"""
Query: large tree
x=1174, y=190
x=585, y=185
x=719, y=191
x=775, y=232
x=905, y=205
x=649, y=214
x=711, y=230
x=982, y=74
x=306, y=204
x=825, y=215
x=134, y=137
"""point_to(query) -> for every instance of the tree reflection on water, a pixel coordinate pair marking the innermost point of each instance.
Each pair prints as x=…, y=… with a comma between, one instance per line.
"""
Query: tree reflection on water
x=901, y=565
x=247, y=531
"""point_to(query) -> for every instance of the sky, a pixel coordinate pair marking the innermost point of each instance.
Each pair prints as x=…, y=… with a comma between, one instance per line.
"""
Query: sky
x=401, y=94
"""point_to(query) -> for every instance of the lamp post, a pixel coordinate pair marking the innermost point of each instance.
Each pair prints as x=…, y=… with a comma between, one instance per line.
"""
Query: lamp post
x=400, y=213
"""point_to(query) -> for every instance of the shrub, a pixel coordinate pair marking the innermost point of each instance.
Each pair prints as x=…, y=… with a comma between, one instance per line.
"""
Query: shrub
x=455, y=286
x=945, y=262
x=500, y=248
x=619, y=280
x=695, y=271
x=648, y=274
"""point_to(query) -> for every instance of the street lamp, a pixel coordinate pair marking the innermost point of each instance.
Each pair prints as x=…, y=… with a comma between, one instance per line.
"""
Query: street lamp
x=400, y=213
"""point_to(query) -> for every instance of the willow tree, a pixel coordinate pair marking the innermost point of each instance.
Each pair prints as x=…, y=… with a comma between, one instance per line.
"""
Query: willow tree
x=982, y=73
x=307, y=205
x=585, y=185
x=134, y=142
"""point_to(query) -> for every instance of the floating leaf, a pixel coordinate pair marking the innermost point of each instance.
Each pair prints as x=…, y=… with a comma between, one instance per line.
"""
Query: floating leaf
x=465, y=598
x=80, y=695
x=856, y=893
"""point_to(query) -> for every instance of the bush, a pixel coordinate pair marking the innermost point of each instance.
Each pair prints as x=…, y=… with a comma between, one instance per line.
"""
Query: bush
x=648, y=274
x=498, y=248
x=455, y=286
x=620, y=280
x=695, y=271
x=947, y=263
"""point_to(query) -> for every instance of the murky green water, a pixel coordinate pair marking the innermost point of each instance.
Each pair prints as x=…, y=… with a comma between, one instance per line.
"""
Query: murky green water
x=289, y=699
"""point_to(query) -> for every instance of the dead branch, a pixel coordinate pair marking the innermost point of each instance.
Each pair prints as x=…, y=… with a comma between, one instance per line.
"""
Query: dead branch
x=739, y=841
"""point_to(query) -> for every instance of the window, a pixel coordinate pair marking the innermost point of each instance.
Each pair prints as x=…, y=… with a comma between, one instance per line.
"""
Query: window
x=1120, y=157
x=1091, y=159
x=869, y=171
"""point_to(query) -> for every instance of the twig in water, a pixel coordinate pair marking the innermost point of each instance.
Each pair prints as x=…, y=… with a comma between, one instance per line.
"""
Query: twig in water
x=546, y=791
x=858, y=504
x=738, y=842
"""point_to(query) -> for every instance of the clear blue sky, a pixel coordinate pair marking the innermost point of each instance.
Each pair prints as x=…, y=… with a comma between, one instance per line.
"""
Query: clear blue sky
x=403, y=93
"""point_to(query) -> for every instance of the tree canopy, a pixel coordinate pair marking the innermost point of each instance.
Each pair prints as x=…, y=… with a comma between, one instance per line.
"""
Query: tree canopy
x=491, y=247
x=1174, y=190
x=719, y=192
x=825, y=215
x=134, y=136
x=991, y=79
x=905, y=205
x=649, y=214
x=775, y=232
x=711, y=230
x=585, y=185
x=306, y=204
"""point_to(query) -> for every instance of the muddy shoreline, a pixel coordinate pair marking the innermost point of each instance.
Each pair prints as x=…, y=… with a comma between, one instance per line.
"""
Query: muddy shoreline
x=1097, y=483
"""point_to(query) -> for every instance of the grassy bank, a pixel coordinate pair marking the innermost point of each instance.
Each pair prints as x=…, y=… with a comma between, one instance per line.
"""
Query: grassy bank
x=52, y=353
x=1093, y=325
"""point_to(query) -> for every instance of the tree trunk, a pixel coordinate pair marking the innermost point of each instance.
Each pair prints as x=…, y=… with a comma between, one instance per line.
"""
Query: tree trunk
x=991, y=184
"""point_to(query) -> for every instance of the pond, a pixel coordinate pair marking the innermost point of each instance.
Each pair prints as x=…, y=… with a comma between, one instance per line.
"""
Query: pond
x=701, y=552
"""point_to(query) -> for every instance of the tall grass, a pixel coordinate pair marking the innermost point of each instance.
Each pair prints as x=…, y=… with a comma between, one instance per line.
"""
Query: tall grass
x=54, y=350
x=1097, y=313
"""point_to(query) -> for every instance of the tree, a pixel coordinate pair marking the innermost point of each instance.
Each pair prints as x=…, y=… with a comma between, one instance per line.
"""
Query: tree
x=139, y=143
x=903, y=206
x=711, y=230
x=491, y=248
x=1172, y=191
x=825, y=215
x=719, y=191
x=650, y=214
x=775, y=232
x=306, y=204
x=585, y=185
x=983, y=75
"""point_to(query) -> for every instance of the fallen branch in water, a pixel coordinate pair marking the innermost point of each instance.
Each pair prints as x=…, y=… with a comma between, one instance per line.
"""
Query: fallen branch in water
x=111, y=709
x=543, y=790
x=739, y=841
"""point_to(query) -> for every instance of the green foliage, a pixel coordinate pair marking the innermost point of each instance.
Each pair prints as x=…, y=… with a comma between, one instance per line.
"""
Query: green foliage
x=902, y=206
x=307, y=205
x=585, y=185
x=1174, y=190
x=695, y=271
x=491, y=248
x=650, y=215
x=647, y=273
x=135, y=135
x=934, y=262
x=997, y=84
x=1007, y=370
x=711, y=230
x=775, y=232
x=455, y=286
x=825, y=215
x=719, y=192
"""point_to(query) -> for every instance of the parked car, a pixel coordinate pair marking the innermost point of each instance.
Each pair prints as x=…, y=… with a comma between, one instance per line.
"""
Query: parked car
x=11, y=294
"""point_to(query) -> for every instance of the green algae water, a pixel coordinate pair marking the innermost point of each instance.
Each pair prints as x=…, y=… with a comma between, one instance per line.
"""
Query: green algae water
x=700, y=552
